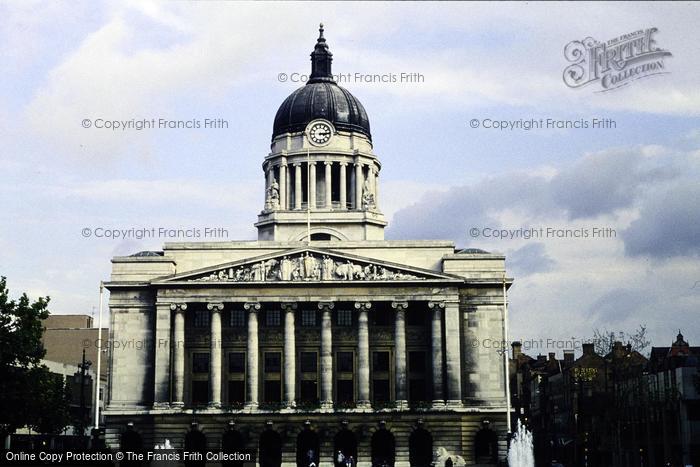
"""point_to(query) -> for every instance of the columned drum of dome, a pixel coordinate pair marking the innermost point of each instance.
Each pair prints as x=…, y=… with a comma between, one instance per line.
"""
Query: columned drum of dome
x=321, y=129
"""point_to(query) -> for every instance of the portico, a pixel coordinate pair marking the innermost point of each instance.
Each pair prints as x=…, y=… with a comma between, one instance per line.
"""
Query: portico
x=340, y=325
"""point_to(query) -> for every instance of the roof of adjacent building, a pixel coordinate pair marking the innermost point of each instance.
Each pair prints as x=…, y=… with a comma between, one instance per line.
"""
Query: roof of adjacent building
x=679, y=354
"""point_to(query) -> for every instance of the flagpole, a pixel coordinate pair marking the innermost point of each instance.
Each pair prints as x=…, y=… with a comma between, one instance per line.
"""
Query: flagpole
x=308, y=196
x=99, y=360
x=506, y=366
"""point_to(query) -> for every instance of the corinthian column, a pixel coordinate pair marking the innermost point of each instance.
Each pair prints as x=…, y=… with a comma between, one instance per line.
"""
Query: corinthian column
x=312, y=185
x=343, y=185
x=179, y=354
x=326, y=355
x=162, y=363
x=363, y=355
x=289, y=355
x=436, y=336
x=252, y=350
x=297, y=186
x=283, y=186
x=329, y=187
x=358, y=186
x=376, y=188
x=215, y=355
x=453, y=354
x=400, y=353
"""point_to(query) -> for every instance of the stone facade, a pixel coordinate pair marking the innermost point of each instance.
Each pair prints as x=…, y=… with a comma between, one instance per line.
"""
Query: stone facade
x=320, y=335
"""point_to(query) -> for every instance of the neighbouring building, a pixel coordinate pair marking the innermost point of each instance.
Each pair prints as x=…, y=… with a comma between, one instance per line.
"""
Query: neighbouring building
x=619, y=409
x=320, y=336
x=65, y=337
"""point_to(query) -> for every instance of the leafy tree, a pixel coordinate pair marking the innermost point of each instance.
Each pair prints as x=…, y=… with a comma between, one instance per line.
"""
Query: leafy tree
x=52, y=397
x=29, y=394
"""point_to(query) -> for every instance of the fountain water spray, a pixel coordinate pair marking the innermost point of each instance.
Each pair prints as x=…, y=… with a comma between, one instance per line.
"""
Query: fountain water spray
x=520, y=451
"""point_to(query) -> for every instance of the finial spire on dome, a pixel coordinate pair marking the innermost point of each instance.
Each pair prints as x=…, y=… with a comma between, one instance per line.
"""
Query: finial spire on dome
x=321, y=59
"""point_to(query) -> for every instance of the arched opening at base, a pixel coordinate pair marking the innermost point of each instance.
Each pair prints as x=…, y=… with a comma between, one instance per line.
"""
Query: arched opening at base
x=270, y=449
x=308, y=448
x=486, y=446
x=130, y=441
x=232, y=442
x=420, y=447
x=345, y=449
x=195, y=441
x=383, y=448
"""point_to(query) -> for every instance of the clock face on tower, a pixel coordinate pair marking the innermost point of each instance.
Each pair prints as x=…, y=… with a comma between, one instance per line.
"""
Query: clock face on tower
x=319, y=132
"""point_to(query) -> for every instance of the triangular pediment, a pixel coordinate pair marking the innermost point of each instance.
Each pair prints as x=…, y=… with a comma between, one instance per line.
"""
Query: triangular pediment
x=306, y=265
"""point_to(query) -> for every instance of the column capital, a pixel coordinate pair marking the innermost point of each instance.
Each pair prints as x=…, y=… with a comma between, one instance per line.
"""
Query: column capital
x=311, y=163
x=328, y=163
x=358, y=164
x=326, y=306
x=363, y=305
x=283, y=164
x=178, y=307
x=215, y=306
x=343, y=163
x=399, y=306
x=296, y=164
x=288, y=306
x=436, y=305
x=252, y=307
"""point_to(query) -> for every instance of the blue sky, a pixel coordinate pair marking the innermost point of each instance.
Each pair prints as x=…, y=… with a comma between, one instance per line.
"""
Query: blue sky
x=64, y=62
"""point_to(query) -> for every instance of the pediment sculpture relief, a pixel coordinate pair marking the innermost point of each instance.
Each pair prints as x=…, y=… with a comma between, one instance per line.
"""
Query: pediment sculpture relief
x=306, y=267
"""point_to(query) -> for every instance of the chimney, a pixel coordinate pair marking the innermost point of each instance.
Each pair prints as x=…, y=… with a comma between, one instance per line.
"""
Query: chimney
x=568, y=357
x=517, y=349
x=588, y=349
x=552, y=356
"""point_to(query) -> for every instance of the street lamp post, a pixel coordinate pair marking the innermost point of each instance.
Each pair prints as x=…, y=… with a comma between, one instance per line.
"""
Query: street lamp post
x=83, y=366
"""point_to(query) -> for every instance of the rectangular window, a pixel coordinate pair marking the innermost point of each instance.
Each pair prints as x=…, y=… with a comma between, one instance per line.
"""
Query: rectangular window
x=345, y=391
x=380, y=361
x=309, y=391
x=237, y=319
x=416, y=362
x=273, y=362
x=273, y=391
x=236, y=392
x=200, y=392
x=201, y=318
x=416, y=390
x=381, y=390
x=272, y=318
x=344, y=361
x=308, y=318
x=200, y=362
x=344, y=318
x=236, y=362
x=308, y=362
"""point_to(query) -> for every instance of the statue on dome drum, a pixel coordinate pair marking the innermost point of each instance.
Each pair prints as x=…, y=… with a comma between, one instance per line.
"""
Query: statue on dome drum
x=367, y=196
x=272, y=198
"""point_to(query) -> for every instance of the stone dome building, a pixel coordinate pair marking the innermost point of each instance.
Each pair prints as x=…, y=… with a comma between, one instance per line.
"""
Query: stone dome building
x=320, y=338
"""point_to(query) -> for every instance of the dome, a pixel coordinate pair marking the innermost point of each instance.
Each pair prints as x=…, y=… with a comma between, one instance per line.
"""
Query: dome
x=321, y=97
x=321, y=100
